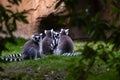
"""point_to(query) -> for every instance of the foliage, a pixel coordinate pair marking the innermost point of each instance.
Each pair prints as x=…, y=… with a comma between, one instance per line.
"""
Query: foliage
x=8, y=22
x=61, y=67
x=97, y=58
x=94, y=23
x=96, y=54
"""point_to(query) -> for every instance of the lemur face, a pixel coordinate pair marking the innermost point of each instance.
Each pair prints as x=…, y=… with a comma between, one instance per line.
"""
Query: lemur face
x=37, y=37
x=56, y=34
x=55, y=38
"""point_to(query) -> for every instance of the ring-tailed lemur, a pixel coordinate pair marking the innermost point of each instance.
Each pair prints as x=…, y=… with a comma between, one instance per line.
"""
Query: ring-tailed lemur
x=64, y=44
x=48, y=42
x=55, y=39
x=32, y=49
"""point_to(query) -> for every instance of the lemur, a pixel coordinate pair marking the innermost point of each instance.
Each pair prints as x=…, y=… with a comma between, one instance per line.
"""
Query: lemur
x=32, y=49
x=48, y=42
x=64, y=44
x=55, y=39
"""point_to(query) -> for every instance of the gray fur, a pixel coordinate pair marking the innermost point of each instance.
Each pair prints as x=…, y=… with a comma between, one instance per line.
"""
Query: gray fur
x=65, y=43
x=47, y=42
x=32, y=49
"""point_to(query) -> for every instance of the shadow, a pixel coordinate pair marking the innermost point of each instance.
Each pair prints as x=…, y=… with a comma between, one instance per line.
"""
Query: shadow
x=49, y=22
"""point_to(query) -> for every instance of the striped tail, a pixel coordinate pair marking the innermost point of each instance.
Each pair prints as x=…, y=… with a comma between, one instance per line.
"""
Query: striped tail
x=11, y=59
x=72, y=54
x=13, y=56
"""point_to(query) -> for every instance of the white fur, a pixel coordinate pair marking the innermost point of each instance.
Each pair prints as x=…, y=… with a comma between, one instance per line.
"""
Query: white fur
x=40, y=34
x=45, y=31
x=32, y=37
x=51, y=30
x=67, y=31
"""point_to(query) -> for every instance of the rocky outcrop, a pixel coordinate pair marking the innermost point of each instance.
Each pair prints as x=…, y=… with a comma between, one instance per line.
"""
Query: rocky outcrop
x=37, y=8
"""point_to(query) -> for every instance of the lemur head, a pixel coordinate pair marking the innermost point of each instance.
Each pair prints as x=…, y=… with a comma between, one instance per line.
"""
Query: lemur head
x=36, y=37
x=64, y=31
x=56, y=34
x=49, y=33
x=56, y=37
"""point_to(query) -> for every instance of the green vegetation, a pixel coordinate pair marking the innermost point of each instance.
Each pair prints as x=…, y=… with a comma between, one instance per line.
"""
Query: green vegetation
x=14, y=48
x=99, y=61
x=8, y=22
x=60, y=67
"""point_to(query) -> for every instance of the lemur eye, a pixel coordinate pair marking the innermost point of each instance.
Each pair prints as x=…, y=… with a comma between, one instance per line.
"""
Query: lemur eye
x=57, y=34
x=35, y=38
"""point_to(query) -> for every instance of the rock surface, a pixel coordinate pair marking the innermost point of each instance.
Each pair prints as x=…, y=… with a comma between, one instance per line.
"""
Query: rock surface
x=37, y=8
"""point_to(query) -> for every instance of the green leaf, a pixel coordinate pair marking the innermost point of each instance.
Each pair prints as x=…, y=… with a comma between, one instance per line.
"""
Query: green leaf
x=24, y=20
x=106, y=1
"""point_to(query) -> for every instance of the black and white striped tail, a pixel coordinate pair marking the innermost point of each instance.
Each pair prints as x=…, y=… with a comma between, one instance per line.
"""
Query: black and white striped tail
x=72, y=54
x=11, y=59
x=13, y=56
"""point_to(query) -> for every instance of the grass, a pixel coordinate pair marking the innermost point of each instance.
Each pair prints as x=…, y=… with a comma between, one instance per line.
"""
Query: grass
x=51, y=67
x=14, y=48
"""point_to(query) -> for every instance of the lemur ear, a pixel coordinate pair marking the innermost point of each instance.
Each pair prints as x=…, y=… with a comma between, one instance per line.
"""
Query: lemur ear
x=51, y=30
x=45, y=31
x=32, y=36
x=61, y=29
x=40, y=34
x=67, y=30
